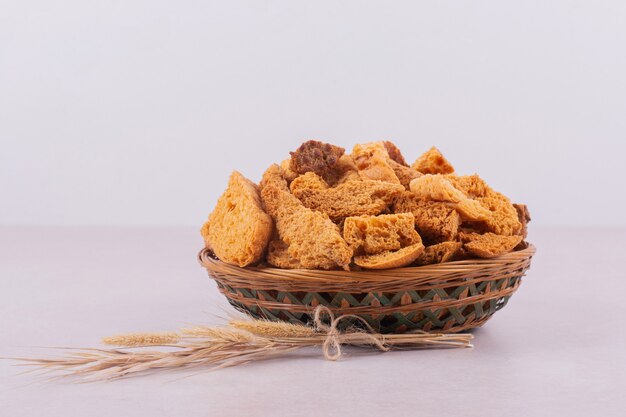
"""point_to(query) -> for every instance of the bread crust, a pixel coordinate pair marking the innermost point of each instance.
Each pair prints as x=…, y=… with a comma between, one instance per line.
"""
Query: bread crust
x=439, y=188
x=523, y=216
x=376, y=234
x=439, y=253
x=343, y=171
x=394, y=153
x=287, y=173
x=435, y=221
x=503, y=218
x=312, y=238
x=315, y=156
x=390, y=260
x=239, y=228
x=488, y=245
x=351, y=198
x=204, y=232
x=278, y=256
x=405, y=174
x=433, y=162
x=372, y=161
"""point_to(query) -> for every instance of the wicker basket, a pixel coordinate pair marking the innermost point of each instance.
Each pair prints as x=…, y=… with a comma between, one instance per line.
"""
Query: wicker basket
x=449, y=297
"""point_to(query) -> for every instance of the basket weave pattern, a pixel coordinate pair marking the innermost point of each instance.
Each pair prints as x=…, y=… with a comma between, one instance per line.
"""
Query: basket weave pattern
x=450, y=297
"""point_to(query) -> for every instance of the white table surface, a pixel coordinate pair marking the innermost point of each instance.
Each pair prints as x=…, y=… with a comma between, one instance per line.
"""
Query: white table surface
x=557, y=348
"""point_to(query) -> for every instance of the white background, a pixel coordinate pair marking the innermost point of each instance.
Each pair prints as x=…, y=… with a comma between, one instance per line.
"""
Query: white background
x=135, y=112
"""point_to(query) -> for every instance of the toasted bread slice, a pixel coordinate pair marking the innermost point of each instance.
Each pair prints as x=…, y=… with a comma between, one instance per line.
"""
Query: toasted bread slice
x=439, y=188
x=503, y=218
x=287, y=173
x=389, y=260
x=239, y=228
x=372, y=161
x=376, y=234
x=433, y=162
x=278, y=256
x=439, y=253
x=204, y=232
x=315, y=156
x=352, y=198
x=488, y=245
x=405, y=174
x=523, y=216
x=394, y=153
x=435, y=221
x=312, y=238
x=472, y=185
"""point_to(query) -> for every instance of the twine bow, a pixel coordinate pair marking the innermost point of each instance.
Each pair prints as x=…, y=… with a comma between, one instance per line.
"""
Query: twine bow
x=335, y=338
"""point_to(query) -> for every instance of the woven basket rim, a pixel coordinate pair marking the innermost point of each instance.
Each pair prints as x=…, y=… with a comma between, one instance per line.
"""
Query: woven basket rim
x=425, y=274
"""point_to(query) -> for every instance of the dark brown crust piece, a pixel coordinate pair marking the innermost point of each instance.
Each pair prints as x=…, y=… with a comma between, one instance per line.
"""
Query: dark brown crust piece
x=315, y=156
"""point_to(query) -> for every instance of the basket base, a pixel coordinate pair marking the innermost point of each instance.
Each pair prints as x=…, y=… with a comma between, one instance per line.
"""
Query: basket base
x=298, y=308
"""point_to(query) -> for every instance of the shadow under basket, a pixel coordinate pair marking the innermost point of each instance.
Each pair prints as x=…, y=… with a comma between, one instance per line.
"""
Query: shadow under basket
x=448, y=297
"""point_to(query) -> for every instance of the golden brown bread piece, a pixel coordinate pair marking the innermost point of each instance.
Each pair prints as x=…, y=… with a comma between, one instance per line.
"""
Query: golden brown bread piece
x=523, y=216
x=239, y=228
x=436, y=188
x=488, y=245
x=503, y=218
x=204, y=232
x=405, y=174
x=435, y=221
x=278, y=256
x=287, y=173
x=372, y=161
x=352, y=198
x=394, y=153
x=439, y=188
x=432, y=162
x=439, y=253
x=376, y=234
x=472, y=185
x=315, y=156
x=388, y=260
x=312, y=238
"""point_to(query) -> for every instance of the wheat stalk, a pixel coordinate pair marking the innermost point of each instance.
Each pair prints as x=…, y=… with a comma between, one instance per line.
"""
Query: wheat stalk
x=238, y=343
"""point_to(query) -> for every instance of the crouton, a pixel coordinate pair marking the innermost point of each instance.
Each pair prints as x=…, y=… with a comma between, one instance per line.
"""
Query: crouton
x=372, y=161
x=394, y=153
x=239, y=228
x=352, y=198
x=523, y=216
x=278, y=256
x=439, y=253
x=435, y=221
x=488, y=245
x=389, y=260
x=312, y=238
x=432, y=162
x=315, y=156
x=376, y=234
x=439, y=188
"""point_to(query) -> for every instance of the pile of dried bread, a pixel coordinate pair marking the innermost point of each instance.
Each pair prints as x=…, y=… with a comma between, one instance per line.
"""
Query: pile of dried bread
x=325, y=209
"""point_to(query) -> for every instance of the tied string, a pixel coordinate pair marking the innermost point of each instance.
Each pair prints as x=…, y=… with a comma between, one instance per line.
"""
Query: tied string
x=335, y=338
